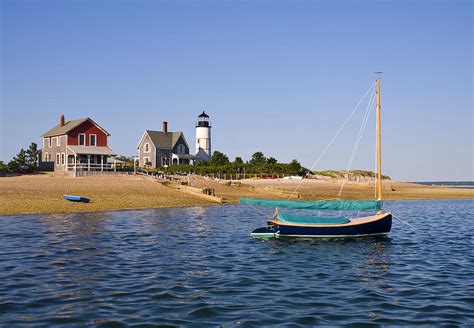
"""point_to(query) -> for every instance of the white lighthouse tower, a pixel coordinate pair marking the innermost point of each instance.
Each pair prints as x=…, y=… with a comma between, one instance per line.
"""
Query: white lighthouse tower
x=203, y=137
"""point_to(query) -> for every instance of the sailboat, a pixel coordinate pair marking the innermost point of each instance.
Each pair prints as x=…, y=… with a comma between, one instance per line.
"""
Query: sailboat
x=284, y=225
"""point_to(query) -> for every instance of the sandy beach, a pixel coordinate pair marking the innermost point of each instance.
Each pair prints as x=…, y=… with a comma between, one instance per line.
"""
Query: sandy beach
x=392, y=190
x=43, y=193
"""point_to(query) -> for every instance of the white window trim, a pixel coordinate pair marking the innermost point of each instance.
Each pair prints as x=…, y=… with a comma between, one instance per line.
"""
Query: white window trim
x=79, y=139
x=63, y=158
x=95, y=140
x=146, y=160
x=58, y=159
x=52, y=142
x=58, y=141
x=145, y=146
x=46, y=156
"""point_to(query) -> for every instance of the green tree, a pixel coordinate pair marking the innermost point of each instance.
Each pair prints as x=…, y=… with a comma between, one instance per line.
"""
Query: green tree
x=271, y=160
x=295, y=167
x=219, y=158
x=258, y=158
x=32, y=155
x=238, y=160
x=13, y=165
x=21, y=158
x=3, y=166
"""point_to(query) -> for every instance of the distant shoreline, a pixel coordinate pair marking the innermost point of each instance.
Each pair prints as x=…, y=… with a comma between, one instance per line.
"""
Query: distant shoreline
x=34, y=194
x=448, y=184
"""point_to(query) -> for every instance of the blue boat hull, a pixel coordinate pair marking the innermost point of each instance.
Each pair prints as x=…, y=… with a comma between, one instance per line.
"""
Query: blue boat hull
x=78, y=199
x=375, y=227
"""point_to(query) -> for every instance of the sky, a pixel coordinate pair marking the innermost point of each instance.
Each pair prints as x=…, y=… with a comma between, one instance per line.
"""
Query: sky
x=274, y=76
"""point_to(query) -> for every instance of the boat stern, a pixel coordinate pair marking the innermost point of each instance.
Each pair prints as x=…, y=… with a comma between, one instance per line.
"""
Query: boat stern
x=265, y=232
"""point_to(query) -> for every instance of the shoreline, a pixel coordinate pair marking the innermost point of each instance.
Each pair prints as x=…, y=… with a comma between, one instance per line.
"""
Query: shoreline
x=43, y=194
x=112, y=210
x=186, y=206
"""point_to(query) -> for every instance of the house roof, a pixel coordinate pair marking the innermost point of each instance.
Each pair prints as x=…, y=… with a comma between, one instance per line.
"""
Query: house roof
x=91, y=150
x=183, y=156
x=113, y=160
x=165, y=140
x=70, y=125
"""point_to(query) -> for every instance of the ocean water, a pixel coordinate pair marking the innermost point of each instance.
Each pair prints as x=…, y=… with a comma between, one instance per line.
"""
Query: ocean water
x=198, y=266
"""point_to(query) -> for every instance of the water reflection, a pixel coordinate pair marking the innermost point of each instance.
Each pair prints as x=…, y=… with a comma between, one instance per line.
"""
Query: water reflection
x=199, y=265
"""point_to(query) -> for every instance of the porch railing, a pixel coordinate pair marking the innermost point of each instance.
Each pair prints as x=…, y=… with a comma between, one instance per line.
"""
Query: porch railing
x=90, y=167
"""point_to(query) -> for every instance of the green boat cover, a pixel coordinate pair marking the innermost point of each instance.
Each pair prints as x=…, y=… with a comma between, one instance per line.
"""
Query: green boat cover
x=338, y=205
x=301, y=219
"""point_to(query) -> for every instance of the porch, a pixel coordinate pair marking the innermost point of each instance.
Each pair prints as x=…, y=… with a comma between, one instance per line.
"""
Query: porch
x=180, y=159
x=91, y=159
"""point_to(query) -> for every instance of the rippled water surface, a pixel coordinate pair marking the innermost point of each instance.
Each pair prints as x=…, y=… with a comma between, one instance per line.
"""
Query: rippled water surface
x=199, y=266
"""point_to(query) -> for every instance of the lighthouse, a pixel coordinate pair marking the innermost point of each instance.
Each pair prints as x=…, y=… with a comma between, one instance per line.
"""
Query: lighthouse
x=203, y=137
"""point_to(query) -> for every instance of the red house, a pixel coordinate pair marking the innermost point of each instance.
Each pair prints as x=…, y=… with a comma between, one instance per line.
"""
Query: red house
x=77, y=145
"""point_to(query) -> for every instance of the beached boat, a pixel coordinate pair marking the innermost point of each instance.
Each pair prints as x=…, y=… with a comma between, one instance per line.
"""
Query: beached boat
x=286, y=225
x=76, y=199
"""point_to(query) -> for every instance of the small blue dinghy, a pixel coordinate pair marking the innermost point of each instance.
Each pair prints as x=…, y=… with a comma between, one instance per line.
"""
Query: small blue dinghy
x=76, y=199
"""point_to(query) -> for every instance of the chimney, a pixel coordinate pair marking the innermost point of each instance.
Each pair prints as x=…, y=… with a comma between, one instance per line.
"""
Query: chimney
x=62, y=121
x=165, y=127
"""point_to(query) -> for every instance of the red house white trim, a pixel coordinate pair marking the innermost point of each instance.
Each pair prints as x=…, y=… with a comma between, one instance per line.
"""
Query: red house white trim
x=81, y=145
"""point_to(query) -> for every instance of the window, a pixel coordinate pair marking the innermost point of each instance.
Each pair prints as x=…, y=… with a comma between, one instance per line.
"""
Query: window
x=146, y=160
x=57, y=159
x=92, y=139
x=50, y=157
x=82, y=139
x=181, y=149
x=147, y=148
x=49, y=142
x=63, y=158
x=58, y=141
x=164, y=161
x=46, y=157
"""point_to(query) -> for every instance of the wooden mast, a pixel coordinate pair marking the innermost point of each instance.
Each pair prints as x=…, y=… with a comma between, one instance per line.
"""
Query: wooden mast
x=379, y=145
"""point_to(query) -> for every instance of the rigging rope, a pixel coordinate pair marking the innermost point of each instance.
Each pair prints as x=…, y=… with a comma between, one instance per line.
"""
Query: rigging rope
x=358, y=139
x=372, y=86
x=405, y=222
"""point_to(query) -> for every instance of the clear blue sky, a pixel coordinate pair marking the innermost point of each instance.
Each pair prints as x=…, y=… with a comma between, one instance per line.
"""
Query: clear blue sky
x=275, y=76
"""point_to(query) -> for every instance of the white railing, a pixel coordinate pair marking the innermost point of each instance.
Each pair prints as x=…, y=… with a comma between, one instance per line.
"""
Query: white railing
x=90, y=167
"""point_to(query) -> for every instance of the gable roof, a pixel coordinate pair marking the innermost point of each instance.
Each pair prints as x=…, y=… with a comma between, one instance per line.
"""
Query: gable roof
x=70, y=125
x=161, y=139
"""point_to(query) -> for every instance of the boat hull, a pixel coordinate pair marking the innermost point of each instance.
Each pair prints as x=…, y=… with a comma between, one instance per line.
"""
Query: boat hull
x=77, y=199
x=380, y=224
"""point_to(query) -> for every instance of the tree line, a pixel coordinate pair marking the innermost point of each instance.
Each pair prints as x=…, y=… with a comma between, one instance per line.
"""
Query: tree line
x=29, y=157
x=220, y=163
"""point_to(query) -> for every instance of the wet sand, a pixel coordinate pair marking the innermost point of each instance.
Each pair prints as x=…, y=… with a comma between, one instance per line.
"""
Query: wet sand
x=391, y=190
x=43, y=193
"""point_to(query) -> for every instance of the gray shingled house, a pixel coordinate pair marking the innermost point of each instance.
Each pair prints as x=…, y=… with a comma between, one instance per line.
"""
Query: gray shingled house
x=163, y=148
